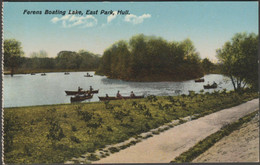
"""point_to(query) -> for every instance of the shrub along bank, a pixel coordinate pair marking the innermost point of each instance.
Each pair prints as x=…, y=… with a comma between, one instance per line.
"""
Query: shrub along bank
x=56, y=133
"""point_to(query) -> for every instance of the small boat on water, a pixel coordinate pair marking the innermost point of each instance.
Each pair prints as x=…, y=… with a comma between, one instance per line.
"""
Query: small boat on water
x=80, y=92
x=66, y=73
x=43, y=74
x=88, y=75
x=32, y=73
x=199, y=80
x=120, y=98
x=214, y=85
x=80, y=98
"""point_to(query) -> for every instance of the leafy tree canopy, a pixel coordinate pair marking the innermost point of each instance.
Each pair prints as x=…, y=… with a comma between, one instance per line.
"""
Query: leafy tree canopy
x=150, y=58
x=40, y=54
x=239, y=60
x=12, y=54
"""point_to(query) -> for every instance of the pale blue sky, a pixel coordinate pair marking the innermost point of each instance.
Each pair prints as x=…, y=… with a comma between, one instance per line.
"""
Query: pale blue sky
x=208, y=24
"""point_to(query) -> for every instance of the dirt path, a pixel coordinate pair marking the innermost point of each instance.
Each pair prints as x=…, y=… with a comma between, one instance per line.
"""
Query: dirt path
x=240, y=146
x=164, y=147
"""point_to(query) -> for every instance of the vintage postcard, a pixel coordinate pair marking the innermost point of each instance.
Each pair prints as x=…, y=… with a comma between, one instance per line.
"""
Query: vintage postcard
x=130, y=82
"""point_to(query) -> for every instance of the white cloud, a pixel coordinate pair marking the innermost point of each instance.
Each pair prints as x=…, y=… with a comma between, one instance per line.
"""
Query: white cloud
x=111, y=17
x=55, y=19
x=136, y=19
x=68, y=21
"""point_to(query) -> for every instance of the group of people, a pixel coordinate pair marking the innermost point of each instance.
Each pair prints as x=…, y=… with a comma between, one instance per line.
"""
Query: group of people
x=90, y=89
x=120, y=96
x=117, y=95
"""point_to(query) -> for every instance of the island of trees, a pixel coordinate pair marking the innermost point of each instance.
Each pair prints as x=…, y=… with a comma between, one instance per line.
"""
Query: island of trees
x=149, y=58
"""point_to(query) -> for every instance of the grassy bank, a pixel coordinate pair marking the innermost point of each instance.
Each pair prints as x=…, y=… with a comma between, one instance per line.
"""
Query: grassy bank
x=208, y=142
x=56, y=133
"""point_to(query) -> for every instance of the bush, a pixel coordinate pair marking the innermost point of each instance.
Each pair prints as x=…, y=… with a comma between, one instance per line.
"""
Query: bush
x=74, y=139
x=113, y=149
x=93, y=157
x=73, y=128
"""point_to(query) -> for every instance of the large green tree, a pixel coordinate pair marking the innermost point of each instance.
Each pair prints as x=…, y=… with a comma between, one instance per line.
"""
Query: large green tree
x=12, y=54
x=239, y=60
x=207, y=65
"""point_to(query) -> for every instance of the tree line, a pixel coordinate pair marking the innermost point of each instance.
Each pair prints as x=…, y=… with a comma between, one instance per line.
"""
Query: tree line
x=65, y=60
x=149, y=58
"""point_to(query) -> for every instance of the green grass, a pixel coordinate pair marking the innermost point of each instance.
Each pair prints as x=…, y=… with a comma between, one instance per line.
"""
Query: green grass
x=56, y=133
x=205, y=144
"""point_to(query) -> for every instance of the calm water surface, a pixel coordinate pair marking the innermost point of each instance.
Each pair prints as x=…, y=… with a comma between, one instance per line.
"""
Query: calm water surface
x=27, y=90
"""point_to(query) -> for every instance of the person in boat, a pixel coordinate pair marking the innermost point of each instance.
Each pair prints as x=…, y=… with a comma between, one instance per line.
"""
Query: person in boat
x=85, y=94
x=132, y=94
x=79, y=89
x=118, y=94
x=90, y=89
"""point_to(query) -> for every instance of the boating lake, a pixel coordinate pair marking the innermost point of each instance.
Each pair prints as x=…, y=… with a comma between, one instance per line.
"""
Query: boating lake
x=28, y=90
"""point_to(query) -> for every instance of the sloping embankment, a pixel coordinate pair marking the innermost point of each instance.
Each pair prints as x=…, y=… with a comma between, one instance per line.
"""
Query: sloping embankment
x=242, y=145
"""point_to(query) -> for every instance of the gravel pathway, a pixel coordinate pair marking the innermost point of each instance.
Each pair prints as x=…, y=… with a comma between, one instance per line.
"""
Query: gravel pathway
x=164, y=147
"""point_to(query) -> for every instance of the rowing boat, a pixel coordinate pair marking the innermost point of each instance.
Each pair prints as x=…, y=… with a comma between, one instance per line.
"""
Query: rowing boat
x=88, y=75
x=80, y=92
x=80, y=98
x=199, y=80
x=210, y=86
x=120, y=98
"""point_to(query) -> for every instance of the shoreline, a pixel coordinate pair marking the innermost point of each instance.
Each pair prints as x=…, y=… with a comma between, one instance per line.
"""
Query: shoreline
x=150, y=79
x=48, y=71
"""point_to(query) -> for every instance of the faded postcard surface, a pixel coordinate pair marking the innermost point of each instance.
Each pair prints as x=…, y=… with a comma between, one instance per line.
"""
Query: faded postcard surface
x=130, y=82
